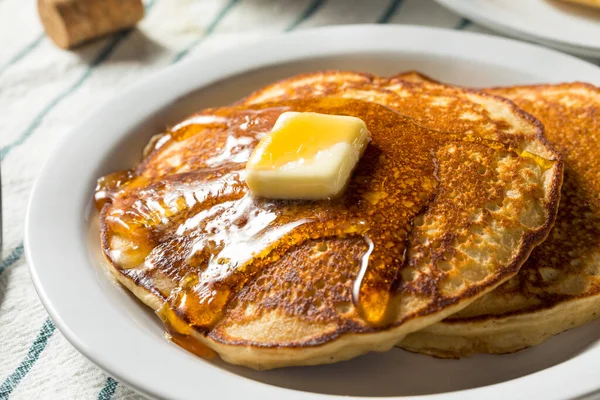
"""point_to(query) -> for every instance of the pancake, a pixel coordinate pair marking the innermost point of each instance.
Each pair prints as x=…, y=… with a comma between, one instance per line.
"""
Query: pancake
x=269, y=284
x=558, y=288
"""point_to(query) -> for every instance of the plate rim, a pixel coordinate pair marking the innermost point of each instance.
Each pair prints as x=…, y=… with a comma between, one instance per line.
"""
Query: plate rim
x=472, y=12
x=36, y=219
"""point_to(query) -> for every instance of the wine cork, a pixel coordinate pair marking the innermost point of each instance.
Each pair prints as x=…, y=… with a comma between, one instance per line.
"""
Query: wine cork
x=71, y=22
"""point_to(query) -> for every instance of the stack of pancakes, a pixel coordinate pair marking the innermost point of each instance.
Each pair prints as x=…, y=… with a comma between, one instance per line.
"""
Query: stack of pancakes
x=453, y=236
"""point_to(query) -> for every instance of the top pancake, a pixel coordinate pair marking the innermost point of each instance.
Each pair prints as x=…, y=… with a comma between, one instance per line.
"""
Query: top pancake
x=444, y=217
x=558, y=287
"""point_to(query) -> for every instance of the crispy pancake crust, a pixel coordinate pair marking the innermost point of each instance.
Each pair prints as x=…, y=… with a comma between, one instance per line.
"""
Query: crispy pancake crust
x=558, y=287
x=491, y=209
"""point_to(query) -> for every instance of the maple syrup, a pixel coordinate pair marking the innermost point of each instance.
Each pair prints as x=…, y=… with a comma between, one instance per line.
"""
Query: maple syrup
x=197, y=224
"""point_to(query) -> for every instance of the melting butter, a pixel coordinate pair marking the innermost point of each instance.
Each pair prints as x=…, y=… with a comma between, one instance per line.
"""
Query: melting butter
x=307, y=155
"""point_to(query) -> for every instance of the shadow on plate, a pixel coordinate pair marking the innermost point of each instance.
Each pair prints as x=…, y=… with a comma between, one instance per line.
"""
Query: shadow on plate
x=399, y=373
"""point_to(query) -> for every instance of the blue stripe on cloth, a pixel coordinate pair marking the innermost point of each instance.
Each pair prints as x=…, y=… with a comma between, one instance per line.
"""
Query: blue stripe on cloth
x=24, y=51
x=390, y=11
x=14, y=256
x=37, y=120
x=462, y=24
x=209, y=30
x=38, y=346
x=306, y=14
x=109, y=389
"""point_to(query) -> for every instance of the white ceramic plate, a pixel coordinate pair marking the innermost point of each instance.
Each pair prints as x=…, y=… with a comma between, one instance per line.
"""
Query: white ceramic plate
x=115, y=331
x=567, y=27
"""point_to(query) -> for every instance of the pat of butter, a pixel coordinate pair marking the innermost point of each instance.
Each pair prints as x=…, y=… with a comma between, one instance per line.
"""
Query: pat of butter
x=306, y=156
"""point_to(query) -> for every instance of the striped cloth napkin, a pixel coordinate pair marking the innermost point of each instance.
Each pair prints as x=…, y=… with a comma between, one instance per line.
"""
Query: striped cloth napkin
x=44, y=89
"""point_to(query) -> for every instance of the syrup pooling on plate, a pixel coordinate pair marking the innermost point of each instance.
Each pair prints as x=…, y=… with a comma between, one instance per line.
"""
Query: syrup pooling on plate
x=186, y=214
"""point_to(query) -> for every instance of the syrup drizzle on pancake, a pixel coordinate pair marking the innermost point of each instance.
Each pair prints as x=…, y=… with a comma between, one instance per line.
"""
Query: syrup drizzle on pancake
x=187, y=211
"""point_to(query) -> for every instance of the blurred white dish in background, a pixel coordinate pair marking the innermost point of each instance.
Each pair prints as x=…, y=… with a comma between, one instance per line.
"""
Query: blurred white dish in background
x=564, y=26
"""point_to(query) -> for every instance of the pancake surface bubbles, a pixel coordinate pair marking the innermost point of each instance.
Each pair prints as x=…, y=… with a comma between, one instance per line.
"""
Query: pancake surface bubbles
x=270, y=283
x=558, y=287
